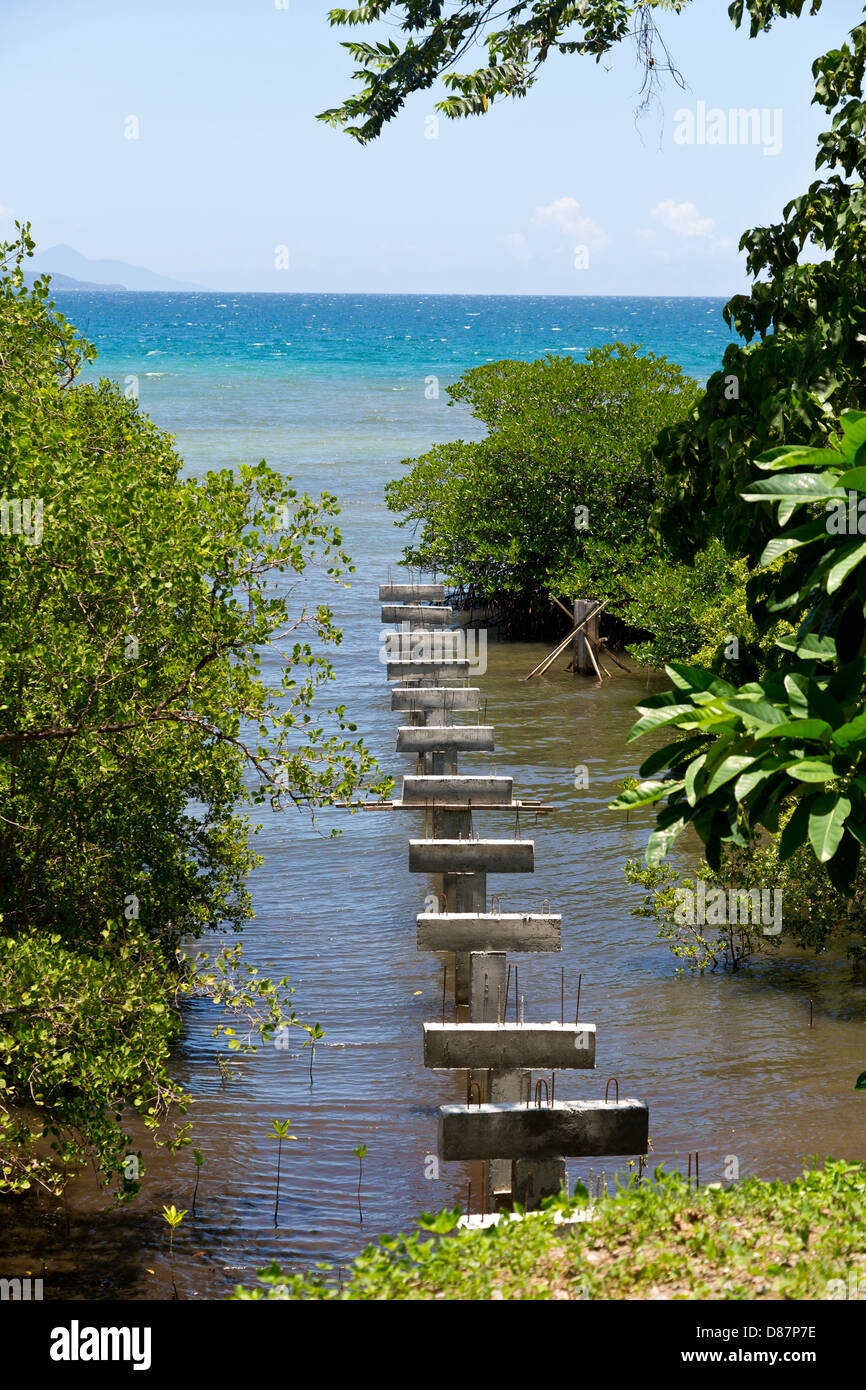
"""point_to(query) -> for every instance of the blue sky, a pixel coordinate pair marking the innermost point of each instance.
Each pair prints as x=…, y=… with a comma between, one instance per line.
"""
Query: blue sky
x=230, y=163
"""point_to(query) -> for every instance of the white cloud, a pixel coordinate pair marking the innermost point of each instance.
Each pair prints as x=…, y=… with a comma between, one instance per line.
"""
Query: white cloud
x=565, y=215
x=683, y=219
x=5, y=213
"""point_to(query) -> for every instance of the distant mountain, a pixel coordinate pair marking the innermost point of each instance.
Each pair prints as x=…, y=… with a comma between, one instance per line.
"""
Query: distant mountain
x=64, y=262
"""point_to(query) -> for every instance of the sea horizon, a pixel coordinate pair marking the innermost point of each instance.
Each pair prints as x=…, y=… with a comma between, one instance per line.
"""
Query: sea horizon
x=385, y=294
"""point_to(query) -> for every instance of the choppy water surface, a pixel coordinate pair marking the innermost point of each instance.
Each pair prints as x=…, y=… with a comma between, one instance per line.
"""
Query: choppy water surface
x=727, y=1064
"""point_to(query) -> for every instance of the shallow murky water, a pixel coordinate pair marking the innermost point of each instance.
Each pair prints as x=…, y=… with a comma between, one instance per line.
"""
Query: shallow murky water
x=728, y=1065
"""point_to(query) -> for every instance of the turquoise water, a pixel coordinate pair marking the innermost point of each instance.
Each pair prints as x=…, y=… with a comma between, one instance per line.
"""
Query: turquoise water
x=343, y=380
x=332, y=390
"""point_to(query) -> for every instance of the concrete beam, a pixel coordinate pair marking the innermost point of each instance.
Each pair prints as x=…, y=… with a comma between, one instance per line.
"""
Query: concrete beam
x=489, y=931
x=425, y=614
x=568, y=1129
x=411, y=593
x=459, y=790
x=443, y=738
x=507, y=1046
x=440, y=697
x=425, y=644
x=429, y=670
x=462, y=856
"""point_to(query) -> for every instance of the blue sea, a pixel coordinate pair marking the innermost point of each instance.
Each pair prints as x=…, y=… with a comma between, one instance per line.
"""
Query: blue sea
x=340, y=388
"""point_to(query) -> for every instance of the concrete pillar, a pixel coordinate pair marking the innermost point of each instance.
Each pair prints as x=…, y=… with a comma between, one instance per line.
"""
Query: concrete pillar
x=486, y=987
x=486, y=996
x=503, y=1086
x=533, y=1179
x=469, y=895
x=440, y=764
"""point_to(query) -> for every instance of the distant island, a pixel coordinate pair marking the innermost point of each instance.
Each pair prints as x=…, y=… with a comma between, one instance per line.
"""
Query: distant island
x=70, y=270
x=66, y=282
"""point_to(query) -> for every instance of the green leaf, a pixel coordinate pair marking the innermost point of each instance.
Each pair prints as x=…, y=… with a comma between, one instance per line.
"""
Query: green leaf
x=812, y=770
x=796, y=687
x=694, y=770
x=726, y=770
x=843, y=567
x=853, y=423
x=660, y=842
x=756, y=711
x=692, y=678
x=670, y=755
x=795, y=832
x=657, y=719
x=766, y=767
x=798, y=729
x=643, y=795
x=798, y=456
x=851, y=732
x=827, y=824
x=810, y=648
x=791, y=487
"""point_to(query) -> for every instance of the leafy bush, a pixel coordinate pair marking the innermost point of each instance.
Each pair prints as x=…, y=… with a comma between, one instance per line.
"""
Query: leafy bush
x=650, y=1239
x=795, y=740
x=499, y=517
x=134, y=607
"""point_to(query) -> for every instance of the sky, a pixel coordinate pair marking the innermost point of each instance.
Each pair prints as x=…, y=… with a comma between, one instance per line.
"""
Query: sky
x=232, y=184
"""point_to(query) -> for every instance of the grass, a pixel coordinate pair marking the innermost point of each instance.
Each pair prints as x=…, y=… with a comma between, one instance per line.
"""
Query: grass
x=660, y=1239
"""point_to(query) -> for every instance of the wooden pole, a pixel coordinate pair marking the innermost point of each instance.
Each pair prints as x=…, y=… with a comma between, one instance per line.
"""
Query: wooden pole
x=557, y=651
x=586, y=611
